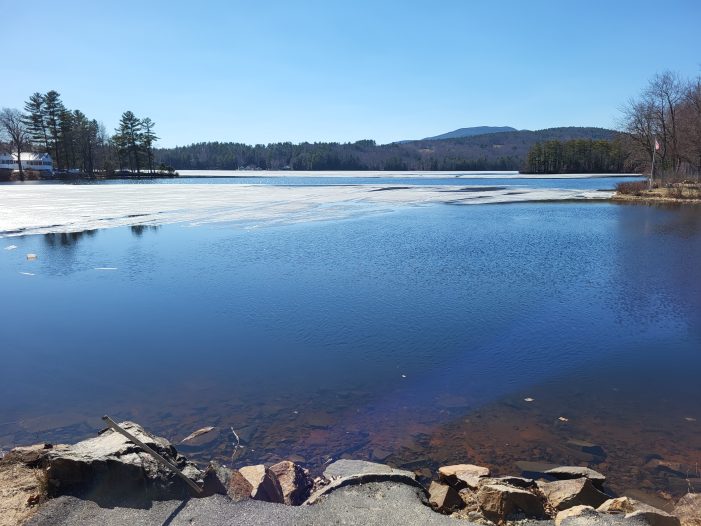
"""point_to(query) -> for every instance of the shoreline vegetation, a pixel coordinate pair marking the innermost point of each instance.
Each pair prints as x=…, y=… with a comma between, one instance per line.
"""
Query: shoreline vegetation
x=129, y=468
x=669, y=190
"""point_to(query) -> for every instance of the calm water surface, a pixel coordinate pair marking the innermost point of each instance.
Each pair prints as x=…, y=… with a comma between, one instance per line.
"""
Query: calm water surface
x=411, y=338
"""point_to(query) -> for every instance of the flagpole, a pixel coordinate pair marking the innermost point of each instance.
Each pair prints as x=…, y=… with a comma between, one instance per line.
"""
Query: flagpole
x=652, y=169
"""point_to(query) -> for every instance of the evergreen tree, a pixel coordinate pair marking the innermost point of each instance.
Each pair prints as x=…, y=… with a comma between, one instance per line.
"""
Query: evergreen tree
x=35, y=121
x=129, y=140
x=148, y=138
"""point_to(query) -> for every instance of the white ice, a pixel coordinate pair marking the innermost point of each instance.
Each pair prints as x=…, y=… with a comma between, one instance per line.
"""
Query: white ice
x=41, y=209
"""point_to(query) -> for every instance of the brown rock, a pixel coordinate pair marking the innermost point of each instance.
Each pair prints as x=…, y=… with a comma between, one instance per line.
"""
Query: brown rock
x=498, y=501
x=443, y=498
x=239, y=488
x=265, y=484
x=462, y=475
x=688, y=509
x=294, y=480
x=574, y=511
x=563, y=494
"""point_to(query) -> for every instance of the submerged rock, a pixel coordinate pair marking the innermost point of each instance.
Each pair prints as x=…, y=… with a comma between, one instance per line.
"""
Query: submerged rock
x=499, y=501
x=295, y=482
x=444, y=498
x=109, y=464
x=574, y=472
x=563, y=494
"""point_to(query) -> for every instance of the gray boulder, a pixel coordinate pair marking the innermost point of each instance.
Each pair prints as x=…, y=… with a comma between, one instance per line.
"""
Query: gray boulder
x=108, y=465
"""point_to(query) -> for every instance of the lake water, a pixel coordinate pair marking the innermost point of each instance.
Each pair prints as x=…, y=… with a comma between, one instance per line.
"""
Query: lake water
x=411, y=337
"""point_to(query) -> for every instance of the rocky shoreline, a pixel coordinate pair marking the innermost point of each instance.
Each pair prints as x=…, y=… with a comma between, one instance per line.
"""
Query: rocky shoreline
x=53, y=484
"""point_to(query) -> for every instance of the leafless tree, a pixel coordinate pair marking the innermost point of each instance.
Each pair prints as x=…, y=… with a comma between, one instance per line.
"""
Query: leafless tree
x=13, y=127
x=667, y=111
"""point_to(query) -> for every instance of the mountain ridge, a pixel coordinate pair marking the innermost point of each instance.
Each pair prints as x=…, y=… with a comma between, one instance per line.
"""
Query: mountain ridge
x=470, y=131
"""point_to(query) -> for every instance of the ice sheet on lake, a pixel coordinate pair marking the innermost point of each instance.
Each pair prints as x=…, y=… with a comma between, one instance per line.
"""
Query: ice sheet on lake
x=41, y=209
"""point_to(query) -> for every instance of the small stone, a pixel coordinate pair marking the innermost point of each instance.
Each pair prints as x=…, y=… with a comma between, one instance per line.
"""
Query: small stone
x=498, y=502
x=528, y=399
x=563, y=494
x=31, y=257
x=574, y=511
x=444, y=499
x=294, y=480
x=265, y=485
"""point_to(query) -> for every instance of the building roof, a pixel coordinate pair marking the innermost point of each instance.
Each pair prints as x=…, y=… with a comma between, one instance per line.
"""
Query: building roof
x=27, y=156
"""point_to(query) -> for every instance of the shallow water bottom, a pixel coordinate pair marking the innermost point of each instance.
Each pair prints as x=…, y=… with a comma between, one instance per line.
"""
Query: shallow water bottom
x=412, y=338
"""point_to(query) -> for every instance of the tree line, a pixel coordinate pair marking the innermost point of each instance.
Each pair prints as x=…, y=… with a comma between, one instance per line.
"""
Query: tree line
x=576, y=156
x=360, y=155
x=75, y=142
x=664, y=122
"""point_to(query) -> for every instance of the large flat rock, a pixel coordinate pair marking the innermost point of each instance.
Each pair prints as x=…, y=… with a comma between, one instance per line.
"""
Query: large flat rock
x=346, y=468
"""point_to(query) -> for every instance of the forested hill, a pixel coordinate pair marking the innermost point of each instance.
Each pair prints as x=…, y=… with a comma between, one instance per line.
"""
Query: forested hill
x=493, y=151
x=469, y=132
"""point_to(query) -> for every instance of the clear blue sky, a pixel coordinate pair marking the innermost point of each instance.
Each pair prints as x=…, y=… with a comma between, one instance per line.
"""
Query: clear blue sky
x=276, y=70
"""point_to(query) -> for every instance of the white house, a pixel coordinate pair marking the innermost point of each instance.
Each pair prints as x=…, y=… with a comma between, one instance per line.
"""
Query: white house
x=31, y=162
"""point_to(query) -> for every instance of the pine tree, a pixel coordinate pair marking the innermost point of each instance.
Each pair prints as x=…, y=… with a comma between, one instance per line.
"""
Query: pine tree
x=129, y=140
x=148, y=138
x=35, y=122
